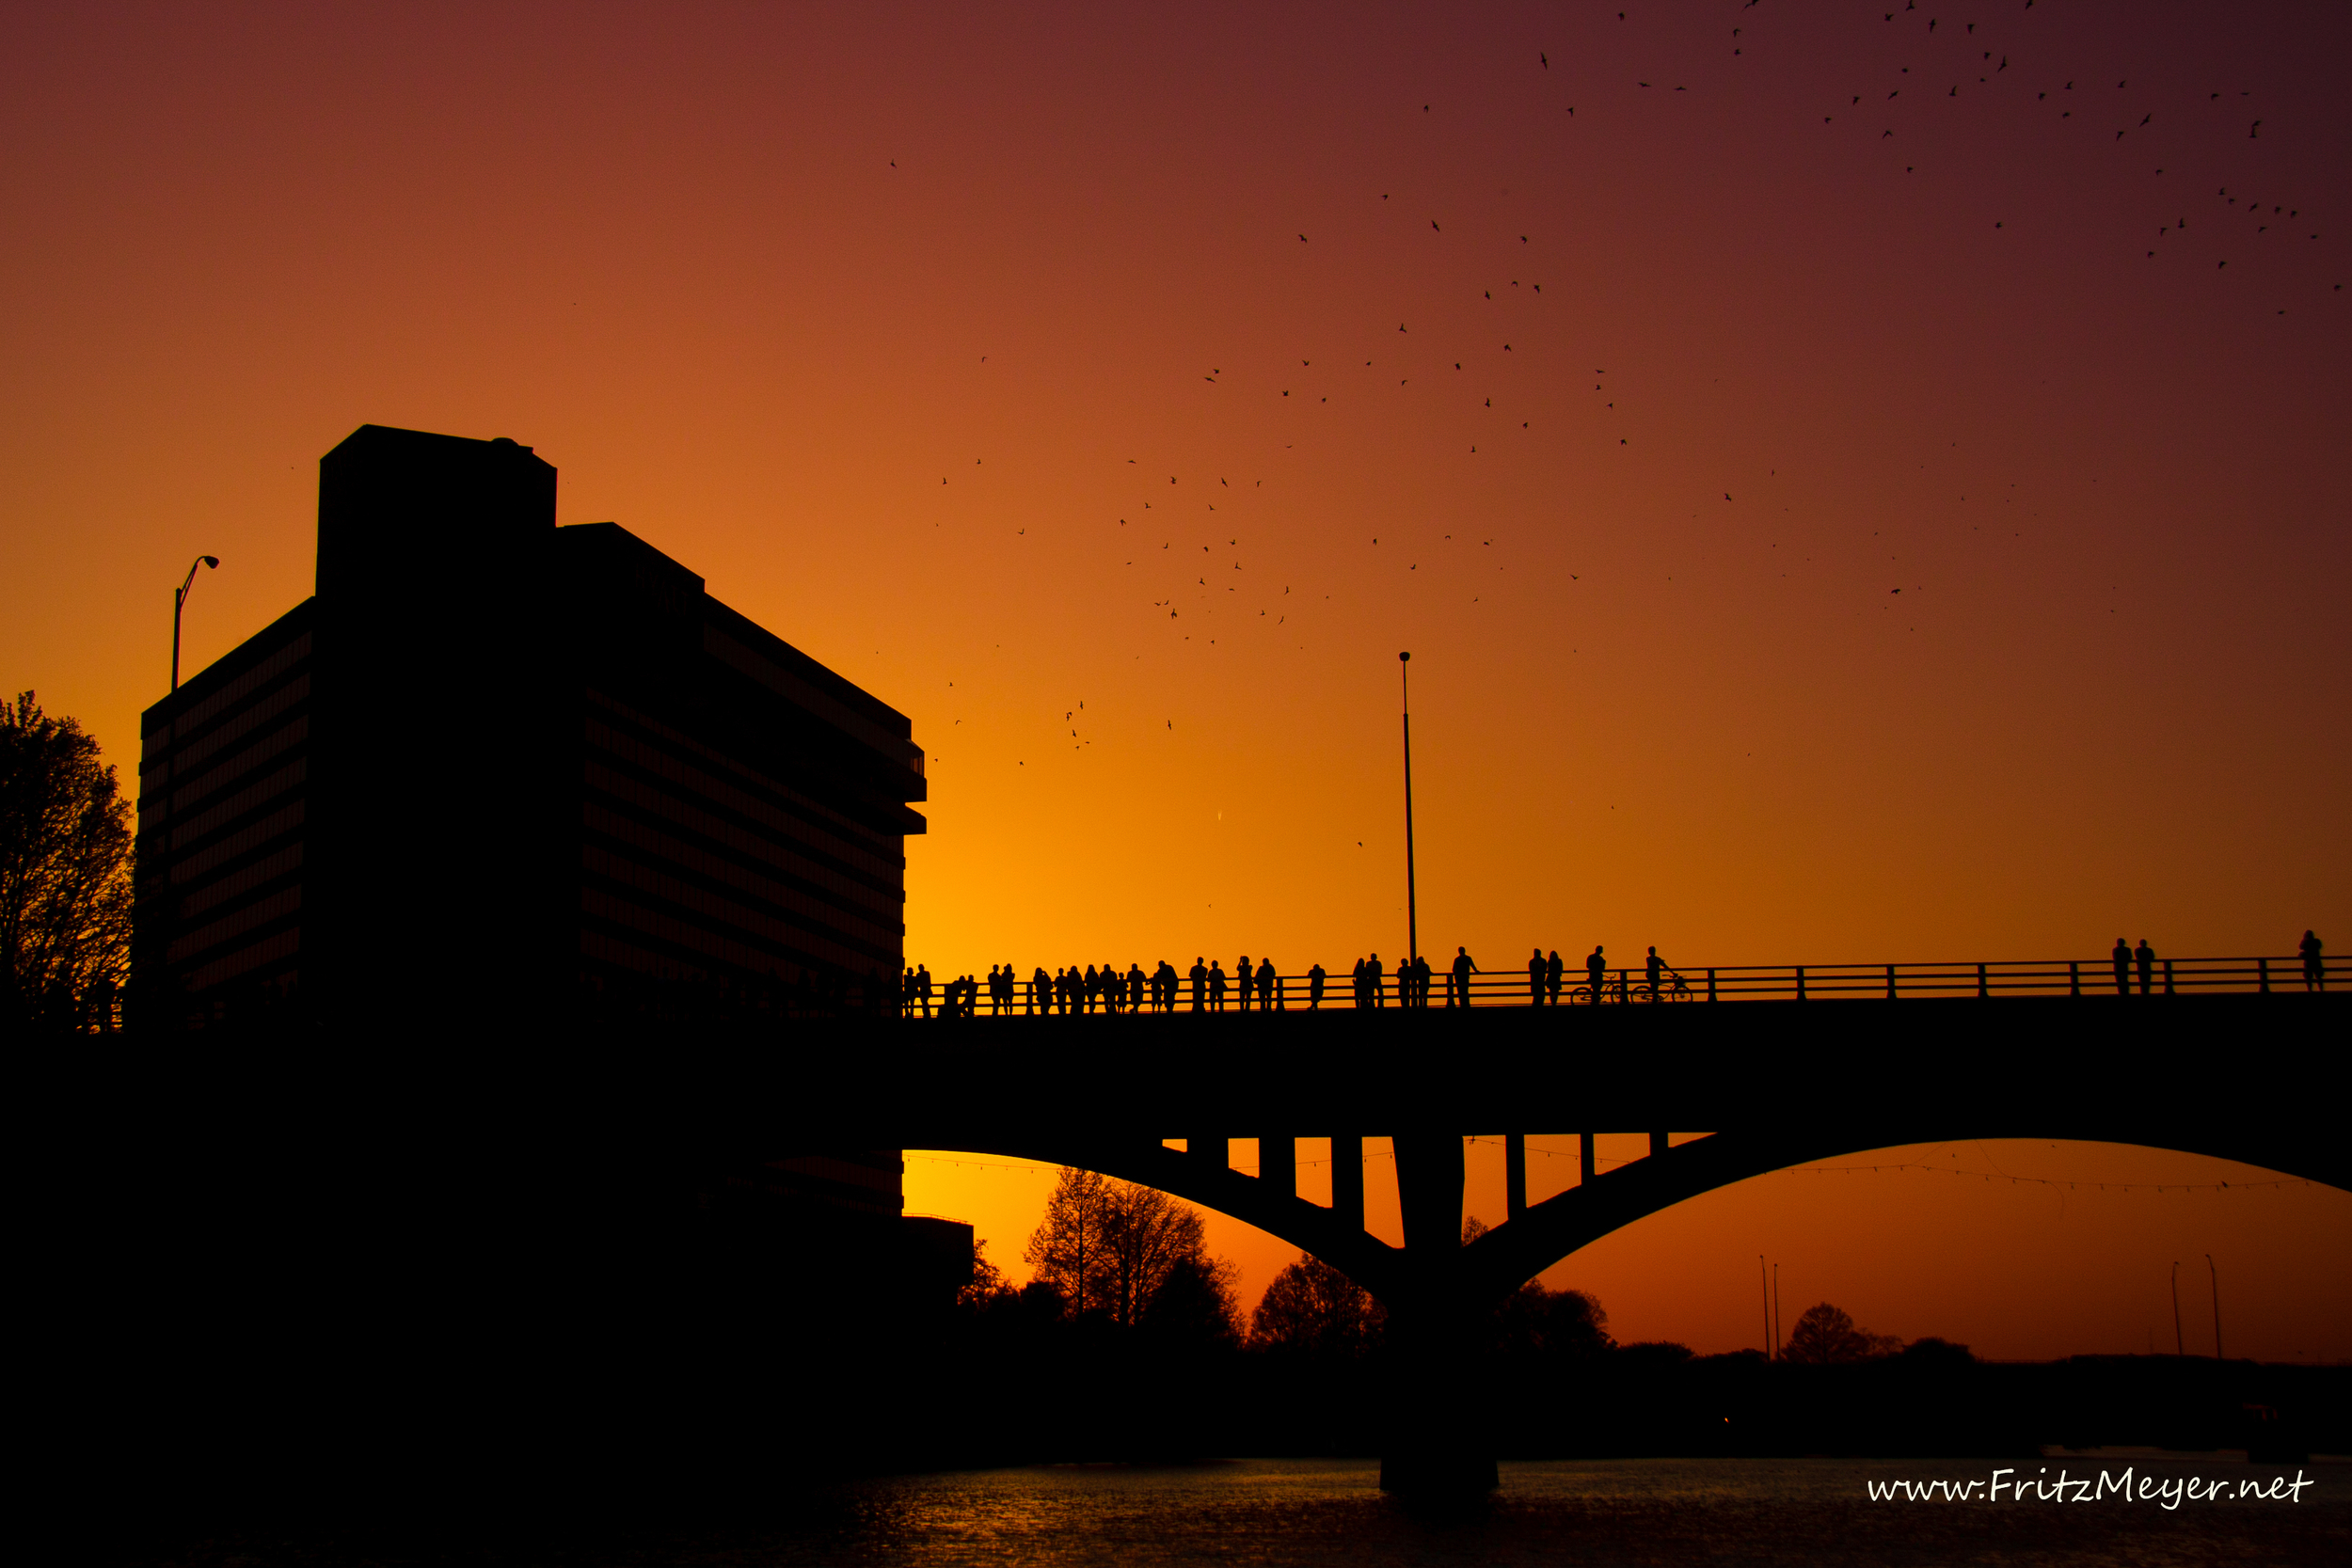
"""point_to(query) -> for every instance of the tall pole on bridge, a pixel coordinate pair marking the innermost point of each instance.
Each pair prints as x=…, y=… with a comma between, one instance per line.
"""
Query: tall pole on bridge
x=2217, y=1305
x=1412, y=924
x=2180, y=1348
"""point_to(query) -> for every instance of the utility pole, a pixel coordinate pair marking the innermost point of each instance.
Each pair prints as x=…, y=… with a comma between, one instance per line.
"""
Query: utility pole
x=2179, y=1349
x=1412, y=923
x=1775, y=1311
x=2217, y=1305
x=1766, y=1288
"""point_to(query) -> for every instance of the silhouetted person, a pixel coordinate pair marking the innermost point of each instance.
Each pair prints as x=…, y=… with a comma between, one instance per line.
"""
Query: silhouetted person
x=1553, y=972
x=1265, y=983
x=1535, y=978
x=1372, y=981
x=1135, y=988
x=1462, y=969
x=1217, y=987
x=1199, y=983
x=1041, y=990
x=906, y=993
x=1657, y=966
x=2145, y=956
x=1165, y=975
x=923, y=988
x=1597, y=972
x=1248, y=978
x=2123, y=967
x=1314, y=986
x=2315, y=966
x=1361, y=1000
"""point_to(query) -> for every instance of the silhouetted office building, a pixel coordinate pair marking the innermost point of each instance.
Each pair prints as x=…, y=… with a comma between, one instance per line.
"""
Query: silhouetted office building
x=495, y=767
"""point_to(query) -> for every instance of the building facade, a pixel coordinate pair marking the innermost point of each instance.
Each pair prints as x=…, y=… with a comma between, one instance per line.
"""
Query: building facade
x=494, y=767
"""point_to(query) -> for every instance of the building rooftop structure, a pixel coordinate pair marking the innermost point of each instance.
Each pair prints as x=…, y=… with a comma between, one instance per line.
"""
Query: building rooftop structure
x=493, y=766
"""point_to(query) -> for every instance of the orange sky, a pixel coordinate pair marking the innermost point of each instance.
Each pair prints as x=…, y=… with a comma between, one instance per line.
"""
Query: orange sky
x=897, y=323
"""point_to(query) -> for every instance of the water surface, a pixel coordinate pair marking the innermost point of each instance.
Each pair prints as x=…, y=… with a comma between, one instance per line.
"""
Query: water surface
x=1313, y=1514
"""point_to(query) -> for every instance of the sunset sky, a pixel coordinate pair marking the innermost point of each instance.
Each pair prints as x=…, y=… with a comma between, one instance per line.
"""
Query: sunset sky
x=1824, y=531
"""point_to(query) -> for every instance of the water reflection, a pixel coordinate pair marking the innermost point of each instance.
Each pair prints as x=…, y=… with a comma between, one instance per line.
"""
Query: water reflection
x=1330, y=1514
x=1627, y=1511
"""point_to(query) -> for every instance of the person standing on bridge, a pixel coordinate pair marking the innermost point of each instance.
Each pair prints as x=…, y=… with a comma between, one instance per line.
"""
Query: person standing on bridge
x=1597, y=972
x=1314, y=988
x=1657, y=970
x=2314, y=965
x=1041, y=990
x=1216, y=986
x=1266, y=983
x=1248, y=978
x=1199, y=983
x=1372, y=973
x=2145, y=956
x=2123, y=967
x=1462, y=969
x=1535, y=978
x=1554, y=971
x=1135, y=988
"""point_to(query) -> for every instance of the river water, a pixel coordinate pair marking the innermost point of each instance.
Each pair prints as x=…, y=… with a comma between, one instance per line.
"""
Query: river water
x=1313, y=1514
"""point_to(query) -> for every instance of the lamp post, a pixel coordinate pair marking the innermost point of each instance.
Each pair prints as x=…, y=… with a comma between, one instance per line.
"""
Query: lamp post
x=2217, y=1305
x=1412, y=924
x=179, y=602
x=2179, y=1349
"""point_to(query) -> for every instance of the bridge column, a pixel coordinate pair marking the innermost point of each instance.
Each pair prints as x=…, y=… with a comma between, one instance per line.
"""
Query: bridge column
x=1278, y=1164
x=1438, y=1445
x=1658, y=1143
x=1514, y=1175
x=1213, y=1152
x=1347, y=1182
x=1586, y=1159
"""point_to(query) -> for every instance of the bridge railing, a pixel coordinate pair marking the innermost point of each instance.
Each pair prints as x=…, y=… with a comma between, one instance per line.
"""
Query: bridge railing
x=1632, y=986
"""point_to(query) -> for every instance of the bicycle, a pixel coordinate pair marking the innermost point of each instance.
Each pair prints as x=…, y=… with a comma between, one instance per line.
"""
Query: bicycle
x=1678, y=991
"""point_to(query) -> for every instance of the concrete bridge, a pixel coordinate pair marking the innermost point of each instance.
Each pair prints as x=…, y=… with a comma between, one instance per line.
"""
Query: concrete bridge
x=375, y=1113
x=2231, y=1075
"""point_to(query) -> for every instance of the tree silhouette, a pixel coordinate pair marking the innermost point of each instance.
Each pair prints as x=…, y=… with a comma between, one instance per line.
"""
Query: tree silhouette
x=1109, y=1248
x=1554, y=1324
x=1148, y=1236
x=1825, y=1334
x=1065, y=1252
x=1195, y=1308
x=65, y=876
x=1311, y=1308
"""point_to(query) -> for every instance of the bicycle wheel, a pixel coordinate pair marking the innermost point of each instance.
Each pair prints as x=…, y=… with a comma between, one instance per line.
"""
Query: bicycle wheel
x=1582, y=993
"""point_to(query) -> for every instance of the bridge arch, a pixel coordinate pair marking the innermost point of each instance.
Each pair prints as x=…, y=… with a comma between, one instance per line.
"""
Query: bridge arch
x=1527, y=1243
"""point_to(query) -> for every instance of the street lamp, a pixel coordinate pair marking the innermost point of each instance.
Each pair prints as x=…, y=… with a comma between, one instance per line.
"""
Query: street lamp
x=1412, y=925
x=2217, y=1305
x=2179, y=1349
x=179, y=601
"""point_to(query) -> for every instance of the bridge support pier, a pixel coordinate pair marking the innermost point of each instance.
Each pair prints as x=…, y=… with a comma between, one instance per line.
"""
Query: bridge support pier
x=1436, y=1447
x=1278, y=1166
x=1347, y=1182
